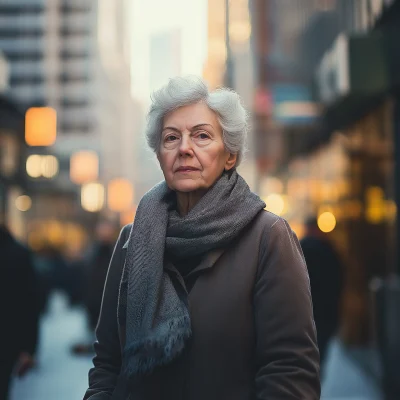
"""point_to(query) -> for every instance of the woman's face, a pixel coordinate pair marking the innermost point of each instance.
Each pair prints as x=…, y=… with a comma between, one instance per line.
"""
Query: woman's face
x=192, y=153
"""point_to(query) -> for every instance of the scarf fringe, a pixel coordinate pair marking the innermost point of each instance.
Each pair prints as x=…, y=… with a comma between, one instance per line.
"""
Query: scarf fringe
x=144, y=355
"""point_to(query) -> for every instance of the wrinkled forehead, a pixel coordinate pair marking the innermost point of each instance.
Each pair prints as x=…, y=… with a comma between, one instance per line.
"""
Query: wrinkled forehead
x=189, y=116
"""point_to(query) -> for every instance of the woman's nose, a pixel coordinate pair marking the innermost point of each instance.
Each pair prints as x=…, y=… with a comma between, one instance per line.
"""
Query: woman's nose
x=185, y=147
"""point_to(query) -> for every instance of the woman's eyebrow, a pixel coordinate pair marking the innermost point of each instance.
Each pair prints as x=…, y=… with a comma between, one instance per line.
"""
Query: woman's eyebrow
x=171, y=128
x=201, y=125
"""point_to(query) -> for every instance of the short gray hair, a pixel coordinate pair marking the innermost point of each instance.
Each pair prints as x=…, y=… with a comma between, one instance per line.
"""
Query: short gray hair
x=183, y=91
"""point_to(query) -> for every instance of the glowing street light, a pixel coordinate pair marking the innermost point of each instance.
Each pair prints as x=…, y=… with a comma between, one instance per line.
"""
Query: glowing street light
x=23, y=203
x=127, y=217
x=120, y=195
x=34, y=166
x=46, y=166
x=84, y=167
x=92, y=196
x=49, y=166
x=40, y=126
x=276, y=203
x=327, y=222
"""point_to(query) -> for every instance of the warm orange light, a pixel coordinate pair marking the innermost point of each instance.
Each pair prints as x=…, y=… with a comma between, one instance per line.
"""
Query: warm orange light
x=120, y=195
x=84, y=167
x=127, y=217
x=40, y=126
x=92, y=196
x=23, y=203
x=38, y=165
x=276, y=203
x=375, y=205
x=327, y=222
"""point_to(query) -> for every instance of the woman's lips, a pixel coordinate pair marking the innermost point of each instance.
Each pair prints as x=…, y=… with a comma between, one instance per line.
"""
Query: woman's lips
x=186, y=169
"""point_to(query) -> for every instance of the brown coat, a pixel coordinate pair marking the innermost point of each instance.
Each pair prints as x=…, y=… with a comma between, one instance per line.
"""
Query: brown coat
x=253, y=330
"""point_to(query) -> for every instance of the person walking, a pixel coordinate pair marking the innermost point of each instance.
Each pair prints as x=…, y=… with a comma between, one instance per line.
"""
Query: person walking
x=325, y=272
x=96, y=267
x=19, y=310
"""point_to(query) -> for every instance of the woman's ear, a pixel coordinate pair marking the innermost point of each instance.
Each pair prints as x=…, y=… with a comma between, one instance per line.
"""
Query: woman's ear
x=230, y=162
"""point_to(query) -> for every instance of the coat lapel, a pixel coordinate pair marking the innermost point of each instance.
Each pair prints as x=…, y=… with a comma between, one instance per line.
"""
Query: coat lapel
x=207, y=262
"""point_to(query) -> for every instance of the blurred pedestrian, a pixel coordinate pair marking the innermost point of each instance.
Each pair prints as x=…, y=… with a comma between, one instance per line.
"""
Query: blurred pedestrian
x=98, y=263
x=96, y=267
x=207, y=296
x=325, y=272
x=44, y=272
x=19, y=311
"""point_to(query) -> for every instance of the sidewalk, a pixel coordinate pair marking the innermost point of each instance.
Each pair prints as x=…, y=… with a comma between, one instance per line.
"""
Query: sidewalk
x=351, y=374
x=60, y=375
x=63, y=376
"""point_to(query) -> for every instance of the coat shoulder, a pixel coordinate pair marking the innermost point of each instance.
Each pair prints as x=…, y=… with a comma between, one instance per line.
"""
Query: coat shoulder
x=268, y=219
x=271, y=225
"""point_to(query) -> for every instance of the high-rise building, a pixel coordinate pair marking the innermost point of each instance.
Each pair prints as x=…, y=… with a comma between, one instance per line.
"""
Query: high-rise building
x=214, y=68
x=23, y=42
x=73, y=55
x=50, y=48
x=48, y=45
x=117, y=114
x=165, y=57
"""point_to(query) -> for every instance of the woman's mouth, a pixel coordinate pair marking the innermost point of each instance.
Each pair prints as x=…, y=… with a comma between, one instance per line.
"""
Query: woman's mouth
x=186, y=169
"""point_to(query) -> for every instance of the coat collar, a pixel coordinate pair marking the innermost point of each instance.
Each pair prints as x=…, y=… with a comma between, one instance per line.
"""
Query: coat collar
x=207, y=262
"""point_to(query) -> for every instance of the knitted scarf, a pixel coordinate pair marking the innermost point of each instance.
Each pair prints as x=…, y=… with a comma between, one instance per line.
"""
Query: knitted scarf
x=155, y=316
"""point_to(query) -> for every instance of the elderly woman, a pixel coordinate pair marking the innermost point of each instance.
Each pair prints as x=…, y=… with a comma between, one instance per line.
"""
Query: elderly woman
x=207, y=295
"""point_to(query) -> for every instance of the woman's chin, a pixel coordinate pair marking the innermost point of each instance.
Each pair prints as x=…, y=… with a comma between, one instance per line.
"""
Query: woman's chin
x=187, y=186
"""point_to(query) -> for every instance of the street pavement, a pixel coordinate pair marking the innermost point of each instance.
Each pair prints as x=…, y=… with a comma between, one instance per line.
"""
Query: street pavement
x=60, y=375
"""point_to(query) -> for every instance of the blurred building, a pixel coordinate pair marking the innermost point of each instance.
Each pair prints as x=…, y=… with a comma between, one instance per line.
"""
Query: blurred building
x=165, y=57
x=239, y=73
x=116, y=112
x=214, y=68
x=72, y=56
x=229, y=62
x=326, y=117
x=12, y=156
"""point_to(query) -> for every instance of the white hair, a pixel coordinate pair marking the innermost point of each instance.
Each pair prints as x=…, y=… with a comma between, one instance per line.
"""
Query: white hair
x=183, y=91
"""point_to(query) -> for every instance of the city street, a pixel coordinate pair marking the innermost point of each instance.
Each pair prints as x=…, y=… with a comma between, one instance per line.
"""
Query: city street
x=61, y=375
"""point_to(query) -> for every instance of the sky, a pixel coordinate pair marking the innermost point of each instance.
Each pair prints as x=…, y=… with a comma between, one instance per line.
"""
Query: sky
x=156, y=16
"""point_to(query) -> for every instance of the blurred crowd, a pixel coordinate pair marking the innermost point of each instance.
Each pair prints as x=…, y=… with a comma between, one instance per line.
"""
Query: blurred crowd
x=28, y=278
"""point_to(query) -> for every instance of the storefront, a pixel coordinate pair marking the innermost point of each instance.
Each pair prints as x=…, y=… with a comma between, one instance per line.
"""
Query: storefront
x=350, y=176
x=350, y=181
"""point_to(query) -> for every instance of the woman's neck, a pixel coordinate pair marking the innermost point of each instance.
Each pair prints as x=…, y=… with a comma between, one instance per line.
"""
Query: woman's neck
x=186, y=201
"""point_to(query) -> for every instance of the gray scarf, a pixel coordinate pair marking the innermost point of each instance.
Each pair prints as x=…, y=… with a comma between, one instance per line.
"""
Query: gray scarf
x=156, y=317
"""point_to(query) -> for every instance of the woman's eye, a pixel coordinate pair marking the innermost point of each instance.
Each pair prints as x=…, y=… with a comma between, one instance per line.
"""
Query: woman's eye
x=203, y=135
x=171, y=138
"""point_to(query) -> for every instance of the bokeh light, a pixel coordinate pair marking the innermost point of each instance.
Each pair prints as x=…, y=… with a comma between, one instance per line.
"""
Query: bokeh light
x=40, y=126
x=276, y=203
x=49, y=166
x=23, y=203
x=34, y=166
x=327, y=222
x=92, y=197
